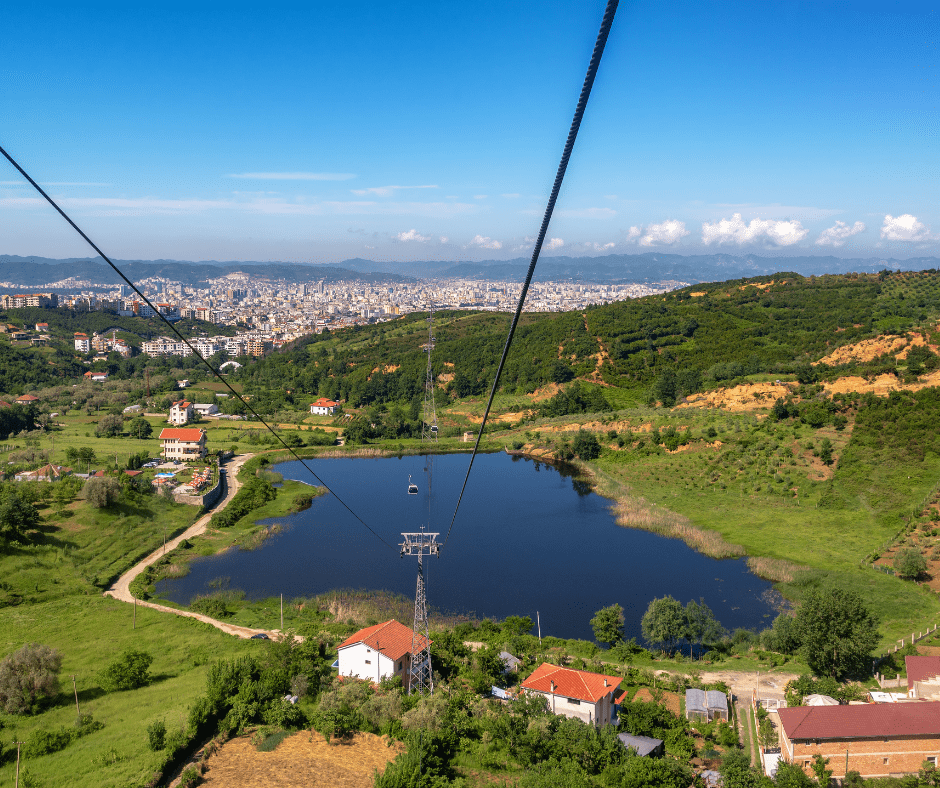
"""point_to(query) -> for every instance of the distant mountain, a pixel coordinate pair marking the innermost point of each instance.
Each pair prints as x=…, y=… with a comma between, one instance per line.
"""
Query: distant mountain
x=607, y=269
x=37, y=271
x=650, y=267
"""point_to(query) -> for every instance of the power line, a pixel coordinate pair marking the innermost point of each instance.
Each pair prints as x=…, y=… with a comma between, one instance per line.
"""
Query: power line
x=596, y=55
x=185, y=341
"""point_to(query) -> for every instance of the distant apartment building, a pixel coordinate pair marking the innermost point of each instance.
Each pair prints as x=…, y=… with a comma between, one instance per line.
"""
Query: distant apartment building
x=20, y=300
x=82, y=343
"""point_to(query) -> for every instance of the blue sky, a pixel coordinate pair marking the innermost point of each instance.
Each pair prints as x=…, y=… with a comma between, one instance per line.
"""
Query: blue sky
x=320, y=131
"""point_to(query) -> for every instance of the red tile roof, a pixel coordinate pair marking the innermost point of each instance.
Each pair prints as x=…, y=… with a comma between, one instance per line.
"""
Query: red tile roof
x=323, y=402
x=921, y=668
x=27, y=398
x=873, y=720
x=391, y=639
x=181, y=434
x=579, y=684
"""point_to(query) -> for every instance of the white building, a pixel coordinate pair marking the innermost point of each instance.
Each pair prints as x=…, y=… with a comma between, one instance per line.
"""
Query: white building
x=379, y=652
x=183, y=444
x=575, y=693
x=206, y=409
x=82, y=343
x=181, y=412
x=323, y=407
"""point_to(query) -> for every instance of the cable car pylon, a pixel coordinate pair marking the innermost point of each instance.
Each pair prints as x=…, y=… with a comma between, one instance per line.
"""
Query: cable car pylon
x=420, y=675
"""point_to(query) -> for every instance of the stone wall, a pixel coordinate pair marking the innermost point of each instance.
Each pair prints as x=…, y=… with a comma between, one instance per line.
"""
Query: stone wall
x=207, y=499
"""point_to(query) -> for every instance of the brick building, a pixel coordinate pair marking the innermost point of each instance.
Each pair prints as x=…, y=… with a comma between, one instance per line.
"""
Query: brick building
x=876, y=740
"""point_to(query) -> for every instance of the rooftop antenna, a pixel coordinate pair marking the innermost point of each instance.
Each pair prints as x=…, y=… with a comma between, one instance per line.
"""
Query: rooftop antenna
x=420, y=677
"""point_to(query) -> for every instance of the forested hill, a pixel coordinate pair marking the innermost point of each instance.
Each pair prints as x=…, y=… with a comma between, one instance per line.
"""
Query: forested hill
x=668, y=345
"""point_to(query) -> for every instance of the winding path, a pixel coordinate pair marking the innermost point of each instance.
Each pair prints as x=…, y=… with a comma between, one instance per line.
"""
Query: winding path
x=121, y=588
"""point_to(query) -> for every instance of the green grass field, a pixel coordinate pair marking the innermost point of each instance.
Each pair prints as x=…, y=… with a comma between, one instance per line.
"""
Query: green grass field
x=90, y=632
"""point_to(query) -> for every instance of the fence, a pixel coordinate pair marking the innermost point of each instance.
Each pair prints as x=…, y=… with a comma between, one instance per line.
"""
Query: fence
x=914, y=639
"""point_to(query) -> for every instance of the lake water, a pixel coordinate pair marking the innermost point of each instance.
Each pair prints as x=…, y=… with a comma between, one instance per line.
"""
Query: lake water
x=527, y=538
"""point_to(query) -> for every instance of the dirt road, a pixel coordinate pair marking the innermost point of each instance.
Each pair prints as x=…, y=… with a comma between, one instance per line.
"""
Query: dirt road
x=121, y=588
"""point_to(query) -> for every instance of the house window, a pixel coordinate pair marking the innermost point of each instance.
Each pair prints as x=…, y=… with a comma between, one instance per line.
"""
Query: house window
x=574, y=701
x=368, y=662
x=399, y=665
x=932, y=759
x=885, y=761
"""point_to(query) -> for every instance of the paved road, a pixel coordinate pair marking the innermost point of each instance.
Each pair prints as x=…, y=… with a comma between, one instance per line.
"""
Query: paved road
x=121, y=588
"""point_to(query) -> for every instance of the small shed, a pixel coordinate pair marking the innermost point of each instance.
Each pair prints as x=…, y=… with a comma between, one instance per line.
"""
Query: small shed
x=706, y=706
x=510, y=663
x=643, y=745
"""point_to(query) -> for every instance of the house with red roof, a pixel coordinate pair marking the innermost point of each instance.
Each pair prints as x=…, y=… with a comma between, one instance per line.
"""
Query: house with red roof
x=874, y=739
x=26, y=399
x=97, y=377
x=575, y=693
x=181, y=412
x=323, y=407
x=923, y=677
x=181, y=443
x=379, y=652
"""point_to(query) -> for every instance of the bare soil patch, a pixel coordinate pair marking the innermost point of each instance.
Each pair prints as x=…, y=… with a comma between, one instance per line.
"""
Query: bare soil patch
x=749, y=396
x=882, y=385
x=303, y=760
x=670, y=700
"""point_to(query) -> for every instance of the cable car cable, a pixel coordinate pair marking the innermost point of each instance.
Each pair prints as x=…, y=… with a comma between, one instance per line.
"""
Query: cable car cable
x=596, y=55
x=185, y=341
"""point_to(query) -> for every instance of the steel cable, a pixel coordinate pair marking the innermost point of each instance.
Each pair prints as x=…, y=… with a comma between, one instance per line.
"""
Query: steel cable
x=596, y=55
x=183, y=339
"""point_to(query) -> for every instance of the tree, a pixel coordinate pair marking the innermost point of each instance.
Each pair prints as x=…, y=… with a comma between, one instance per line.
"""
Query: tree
x=139, y=428
x=28, y=676
x=585, y=445
x=82, y=456
x=837, y=632
x=909, y=563
x=663, y=622
x=17, y=517
x=819, y=769
x=789, y=775
x=701, y=626
x=109, y=426
x=129, y=671
x=608, y=625
x=101, y=491
x=825, y=451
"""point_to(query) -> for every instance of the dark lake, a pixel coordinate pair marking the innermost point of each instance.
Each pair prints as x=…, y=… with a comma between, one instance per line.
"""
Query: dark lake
x=527, y=538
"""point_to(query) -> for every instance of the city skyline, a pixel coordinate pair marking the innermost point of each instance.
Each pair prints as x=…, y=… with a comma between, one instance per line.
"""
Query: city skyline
x=319, y=132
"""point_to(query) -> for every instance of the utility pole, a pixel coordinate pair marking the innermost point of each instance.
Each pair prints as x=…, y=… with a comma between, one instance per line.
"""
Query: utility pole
x=18, y=762
x=282, y=612
x=539, y=622
x=420, y=676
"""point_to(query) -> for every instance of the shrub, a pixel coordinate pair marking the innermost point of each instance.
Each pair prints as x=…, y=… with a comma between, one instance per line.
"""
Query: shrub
x=101, y=491
x=29, y=676
x=129, y=671
x=909, y=563
x=156, y=735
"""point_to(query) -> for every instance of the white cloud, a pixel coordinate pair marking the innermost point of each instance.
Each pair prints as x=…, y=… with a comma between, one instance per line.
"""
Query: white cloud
x=385, y=191
x=444, y=239
x=839, y=233
x=780, y=232
x=485, y=243
x=904, y=228
x=610, y=196
x=480, y=196
x=601, y=247
x=664, y=233
x=412, y=235
x=510, y=196
x=555, y=243
x=634, y=234
x=294, y=176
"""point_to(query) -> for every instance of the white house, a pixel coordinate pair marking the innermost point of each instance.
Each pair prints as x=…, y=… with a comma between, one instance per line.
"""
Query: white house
x=575, y=693
x=323, y=407
x=181, y=412
x=183, y=444
x=206, y=409
x=82, y=343
x=378, y=652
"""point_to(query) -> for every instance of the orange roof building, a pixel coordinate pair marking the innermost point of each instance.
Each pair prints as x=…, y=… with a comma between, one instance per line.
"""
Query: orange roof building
x=379, y=652
x=183, y=443
x=575, y=693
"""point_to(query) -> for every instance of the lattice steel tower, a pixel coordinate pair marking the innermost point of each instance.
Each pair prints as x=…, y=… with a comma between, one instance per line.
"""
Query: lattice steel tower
x=420, y=677
x=429, y=424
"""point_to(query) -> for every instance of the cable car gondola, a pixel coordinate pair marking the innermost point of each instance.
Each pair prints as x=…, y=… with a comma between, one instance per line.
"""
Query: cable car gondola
x=412, y=487
x=434, y=429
